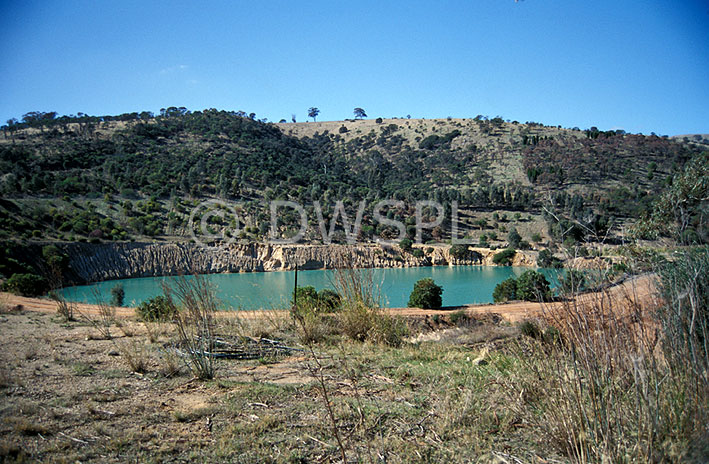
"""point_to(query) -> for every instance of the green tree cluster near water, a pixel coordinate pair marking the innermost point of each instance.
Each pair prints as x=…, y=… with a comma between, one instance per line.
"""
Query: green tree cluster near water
x=426, y=295
x=530, y=286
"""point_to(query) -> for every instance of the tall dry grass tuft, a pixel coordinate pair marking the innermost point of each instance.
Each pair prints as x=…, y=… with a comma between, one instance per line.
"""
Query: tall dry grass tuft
x=66, y=309
x=615, y=385
x=195, y=302
x=361, y=316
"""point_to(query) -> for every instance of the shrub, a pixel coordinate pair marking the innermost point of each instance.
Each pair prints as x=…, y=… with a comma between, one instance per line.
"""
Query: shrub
x=530, y=329
x=155, y=309
x=684, y=316
x=360, y=317
x=26, y=285
x=505, y=291
x=405, y=244
x=547, y=259
x=194, y=321
x=329, y=300
x=514, y=238
x=308, y=299
x=418, y=253
x=573, y=282
x=459, y=251
x=426, y=294
x=551, y=335
x=65, y=308
x=117, y=295
x=305, y=296
x=533, y=286
x=459, y=317
x=504, y=258
x=55, y=258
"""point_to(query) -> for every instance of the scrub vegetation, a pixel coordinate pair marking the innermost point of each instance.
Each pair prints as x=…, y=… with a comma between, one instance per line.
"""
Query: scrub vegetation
x=611, y=366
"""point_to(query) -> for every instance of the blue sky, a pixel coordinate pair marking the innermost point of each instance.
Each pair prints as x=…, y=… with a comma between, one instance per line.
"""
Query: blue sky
x=642, y=66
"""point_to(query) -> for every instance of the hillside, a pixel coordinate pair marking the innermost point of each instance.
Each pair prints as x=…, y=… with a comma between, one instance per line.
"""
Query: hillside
x=138, y=176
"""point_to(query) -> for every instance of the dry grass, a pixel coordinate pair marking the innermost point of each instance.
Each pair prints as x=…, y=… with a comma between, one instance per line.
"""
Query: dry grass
x=479, y=392
x=136, y=355
x=194, y=321
x=66, y=309
x=611, y=385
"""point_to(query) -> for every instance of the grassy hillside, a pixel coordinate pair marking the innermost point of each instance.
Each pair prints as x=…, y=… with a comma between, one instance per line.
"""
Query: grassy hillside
x=136, y=176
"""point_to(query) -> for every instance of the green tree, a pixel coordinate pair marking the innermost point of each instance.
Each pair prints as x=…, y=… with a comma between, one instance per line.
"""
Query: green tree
x=682, y=210
x=426, y=294
x=313, y=112
x=459, y=251
x=545, y=258
x=305, y=295
x=359, y=113
x=573, y=282
x=26, y=285
x=533, y=286
x=514, y=238
x=505, y=291
x=504, y=258
x=118, y=294
x=405, y=244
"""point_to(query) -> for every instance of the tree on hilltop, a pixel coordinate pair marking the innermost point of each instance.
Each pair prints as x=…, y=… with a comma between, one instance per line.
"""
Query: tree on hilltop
x=359, y=113
x=313, y=112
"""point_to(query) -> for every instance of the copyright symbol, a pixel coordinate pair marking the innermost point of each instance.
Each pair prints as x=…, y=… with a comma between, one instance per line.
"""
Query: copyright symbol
x=213, y=220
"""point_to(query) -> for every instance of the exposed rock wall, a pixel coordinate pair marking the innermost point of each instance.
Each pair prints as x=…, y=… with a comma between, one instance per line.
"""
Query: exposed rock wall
x=97, y=262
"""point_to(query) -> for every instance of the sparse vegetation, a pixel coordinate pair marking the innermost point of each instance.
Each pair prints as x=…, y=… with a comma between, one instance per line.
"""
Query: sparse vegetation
x=600, y=377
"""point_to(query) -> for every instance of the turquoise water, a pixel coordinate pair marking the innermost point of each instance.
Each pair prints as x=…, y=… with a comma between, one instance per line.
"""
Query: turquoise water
x=270, y=290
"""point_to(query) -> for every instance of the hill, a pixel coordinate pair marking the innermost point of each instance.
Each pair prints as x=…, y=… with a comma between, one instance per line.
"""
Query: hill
x=138, y=176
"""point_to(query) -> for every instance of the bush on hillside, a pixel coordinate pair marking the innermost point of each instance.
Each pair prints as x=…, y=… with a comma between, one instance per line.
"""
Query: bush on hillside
x=26, y=285
x=573, y=282
x=547, y=259
x=514, y=238
x=459, y=251
x=504, y=258
x=405, y=244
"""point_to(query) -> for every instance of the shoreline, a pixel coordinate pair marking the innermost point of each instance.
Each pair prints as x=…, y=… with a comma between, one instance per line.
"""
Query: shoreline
x=91, y=263
x=641, y=287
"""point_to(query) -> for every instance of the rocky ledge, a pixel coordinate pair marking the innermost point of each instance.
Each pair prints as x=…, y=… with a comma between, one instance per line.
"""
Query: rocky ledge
x=107, y=261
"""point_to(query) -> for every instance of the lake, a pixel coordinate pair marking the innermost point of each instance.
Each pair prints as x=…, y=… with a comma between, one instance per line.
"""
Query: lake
x=272, y=290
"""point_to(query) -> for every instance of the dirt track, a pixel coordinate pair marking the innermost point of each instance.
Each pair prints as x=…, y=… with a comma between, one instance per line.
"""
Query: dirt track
x=641, y=288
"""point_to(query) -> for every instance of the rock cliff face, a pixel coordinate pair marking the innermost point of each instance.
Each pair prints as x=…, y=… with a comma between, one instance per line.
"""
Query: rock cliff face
x=97, y=262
